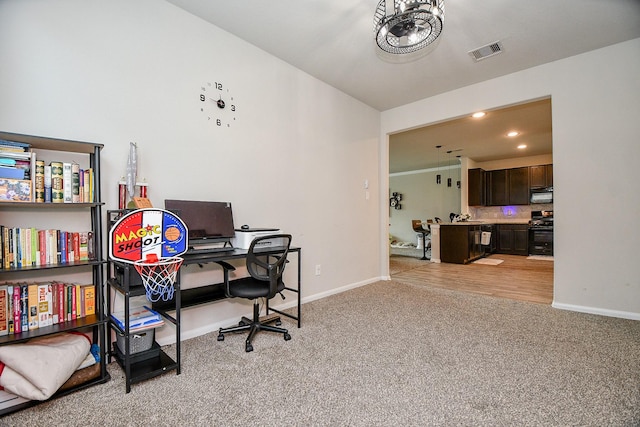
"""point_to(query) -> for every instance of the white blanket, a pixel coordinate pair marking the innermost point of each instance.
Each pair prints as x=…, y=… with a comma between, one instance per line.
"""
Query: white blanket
x=37, y=368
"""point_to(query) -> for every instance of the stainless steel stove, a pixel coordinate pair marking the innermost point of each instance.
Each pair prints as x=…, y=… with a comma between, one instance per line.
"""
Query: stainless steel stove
x=541, y=233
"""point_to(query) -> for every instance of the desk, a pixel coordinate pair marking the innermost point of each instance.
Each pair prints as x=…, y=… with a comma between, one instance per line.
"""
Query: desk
x=122, y=277
x=209, y=293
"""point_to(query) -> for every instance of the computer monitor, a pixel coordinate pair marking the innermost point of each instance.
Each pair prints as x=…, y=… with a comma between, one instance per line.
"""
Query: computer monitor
x=206, y=221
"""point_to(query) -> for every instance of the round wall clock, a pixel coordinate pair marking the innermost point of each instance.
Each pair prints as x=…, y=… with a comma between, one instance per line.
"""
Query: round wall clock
x=217, y=104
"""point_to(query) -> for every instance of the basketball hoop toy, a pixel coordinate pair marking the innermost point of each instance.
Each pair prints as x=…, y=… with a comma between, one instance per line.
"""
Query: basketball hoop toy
x=152, y=240
x=158, y=276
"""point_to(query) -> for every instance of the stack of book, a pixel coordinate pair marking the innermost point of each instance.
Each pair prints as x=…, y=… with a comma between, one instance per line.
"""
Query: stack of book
x=17, y=163
x=140, y=318
x=25, y=179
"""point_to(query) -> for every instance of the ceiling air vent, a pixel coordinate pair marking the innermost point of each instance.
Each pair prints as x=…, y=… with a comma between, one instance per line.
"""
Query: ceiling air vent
x=486, y=51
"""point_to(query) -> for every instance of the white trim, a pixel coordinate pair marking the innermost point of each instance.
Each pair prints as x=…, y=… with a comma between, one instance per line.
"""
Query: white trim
x=436, y=169
x=212, y=327
x=595, y=310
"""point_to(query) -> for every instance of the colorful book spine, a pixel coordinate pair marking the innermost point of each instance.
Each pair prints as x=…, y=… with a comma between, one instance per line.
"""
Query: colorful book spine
x=86, y=186
x=57, y=193
x=39, y=182
x=89, y=299
x=61, y=303
x=24, y=307
x=32, y=298
x=47, y=184
x=4, y=310
x=75, y=244
x=10, y=308
x=67, y=182
x=75, y=183
x=45, y=314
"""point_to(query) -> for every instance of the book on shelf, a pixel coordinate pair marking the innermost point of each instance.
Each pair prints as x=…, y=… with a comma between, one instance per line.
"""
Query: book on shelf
x=6, y=145
x=89, y=292
x=4, y=310
x=86, y=186
x=67, y=182
x=39, y=182
x=47, y=184
x=75, y=182
x=139, y=318
x=57, y=194
x=45, y=306
x=24, y=307
x=32, y=298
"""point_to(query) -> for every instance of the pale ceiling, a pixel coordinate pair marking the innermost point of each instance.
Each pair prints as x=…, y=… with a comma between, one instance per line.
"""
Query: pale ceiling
x=333, y=41
x=482, y=139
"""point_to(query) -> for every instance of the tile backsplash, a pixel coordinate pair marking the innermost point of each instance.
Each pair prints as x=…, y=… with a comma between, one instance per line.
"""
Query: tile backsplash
x=515, y=212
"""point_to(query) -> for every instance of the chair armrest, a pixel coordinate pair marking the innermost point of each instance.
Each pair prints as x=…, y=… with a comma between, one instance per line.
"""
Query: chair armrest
x=225, y=265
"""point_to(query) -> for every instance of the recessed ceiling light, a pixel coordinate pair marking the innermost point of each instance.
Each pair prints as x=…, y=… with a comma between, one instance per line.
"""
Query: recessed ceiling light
x=478, y=114
x=522, y=146
x=513, y=133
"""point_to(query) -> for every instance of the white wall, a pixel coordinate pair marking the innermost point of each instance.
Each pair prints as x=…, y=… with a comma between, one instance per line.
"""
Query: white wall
x=422, y=199
x=596, y=105
x=297, y=156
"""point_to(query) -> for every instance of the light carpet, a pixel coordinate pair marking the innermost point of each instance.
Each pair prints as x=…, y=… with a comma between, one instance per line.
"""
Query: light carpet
x=387, y=354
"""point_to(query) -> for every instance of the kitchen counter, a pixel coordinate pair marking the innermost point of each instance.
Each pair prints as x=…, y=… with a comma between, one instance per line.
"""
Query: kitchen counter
x=487, y=221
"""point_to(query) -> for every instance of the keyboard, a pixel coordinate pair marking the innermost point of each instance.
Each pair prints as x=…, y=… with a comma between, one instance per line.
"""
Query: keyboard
x=196, y=251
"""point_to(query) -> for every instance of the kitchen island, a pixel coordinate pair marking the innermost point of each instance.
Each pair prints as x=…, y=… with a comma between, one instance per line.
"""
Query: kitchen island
x=461, y=242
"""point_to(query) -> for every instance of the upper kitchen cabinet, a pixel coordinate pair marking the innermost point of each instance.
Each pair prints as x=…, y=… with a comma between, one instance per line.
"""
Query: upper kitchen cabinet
x=518, y=186
x=508, y=187
x=541, y=176
x=477, y=183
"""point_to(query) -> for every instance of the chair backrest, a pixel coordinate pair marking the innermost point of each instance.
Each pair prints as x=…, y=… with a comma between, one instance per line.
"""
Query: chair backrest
x=417, y=225
x=268, y=267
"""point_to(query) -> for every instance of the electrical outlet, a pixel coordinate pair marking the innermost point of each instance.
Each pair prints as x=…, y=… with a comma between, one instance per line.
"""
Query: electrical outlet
x=317, y=269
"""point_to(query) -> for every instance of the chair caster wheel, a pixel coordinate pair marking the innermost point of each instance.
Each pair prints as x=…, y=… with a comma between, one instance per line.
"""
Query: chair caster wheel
x=248, y=348
x=278, y=322
x=287, y=337
x=220, y=337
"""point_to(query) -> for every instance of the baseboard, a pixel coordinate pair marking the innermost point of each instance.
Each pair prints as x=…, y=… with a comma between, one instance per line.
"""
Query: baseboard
x=341, y=289
x=595, y=310
x=212, y=327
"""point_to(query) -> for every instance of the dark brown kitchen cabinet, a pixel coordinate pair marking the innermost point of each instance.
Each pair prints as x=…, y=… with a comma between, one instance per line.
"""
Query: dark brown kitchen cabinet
x=513, y=239
x=476, y=187
x=508, y=187
x=497, y=188
x=541, y=176
x=518, y=186
x=460, y=243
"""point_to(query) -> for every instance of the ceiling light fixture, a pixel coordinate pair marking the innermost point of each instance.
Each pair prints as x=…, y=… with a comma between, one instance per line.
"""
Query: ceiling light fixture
x=403, y=28
x=522, y=146
x=438, y=177
x=512, y=134
x=449, y=162
x=478, y=114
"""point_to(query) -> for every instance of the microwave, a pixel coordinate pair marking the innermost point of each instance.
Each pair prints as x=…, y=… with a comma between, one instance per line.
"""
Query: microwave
x=542, y=195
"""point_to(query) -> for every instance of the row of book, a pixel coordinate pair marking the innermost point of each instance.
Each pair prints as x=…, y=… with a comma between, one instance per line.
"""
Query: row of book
x=24, y=178
x=29, y=306
x=30, y=247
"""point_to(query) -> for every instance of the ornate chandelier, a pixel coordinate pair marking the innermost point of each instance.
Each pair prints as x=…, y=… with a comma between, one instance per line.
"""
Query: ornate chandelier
x=408, y=27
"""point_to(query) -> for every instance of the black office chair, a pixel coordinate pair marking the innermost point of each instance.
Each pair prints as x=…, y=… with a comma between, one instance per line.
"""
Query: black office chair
x=265, y=281
x=417, y=227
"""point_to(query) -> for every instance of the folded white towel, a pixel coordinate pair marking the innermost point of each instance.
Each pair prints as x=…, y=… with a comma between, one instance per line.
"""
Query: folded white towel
x=485, y=239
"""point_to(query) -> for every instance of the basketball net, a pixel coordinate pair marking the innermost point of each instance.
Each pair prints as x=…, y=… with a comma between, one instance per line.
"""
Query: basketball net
x=158, y=276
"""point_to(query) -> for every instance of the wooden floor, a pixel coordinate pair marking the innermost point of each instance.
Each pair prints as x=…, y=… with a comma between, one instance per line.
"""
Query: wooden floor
x=516, y=278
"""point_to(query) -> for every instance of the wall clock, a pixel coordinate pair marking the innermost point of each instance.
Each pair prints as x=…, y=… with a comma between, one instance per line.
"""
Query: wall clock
x=217, y=104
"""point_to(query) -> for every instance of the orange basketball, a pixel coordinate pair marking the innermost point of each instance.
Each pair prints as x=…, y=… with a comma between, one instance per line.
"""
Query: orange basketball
x=172, y=234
